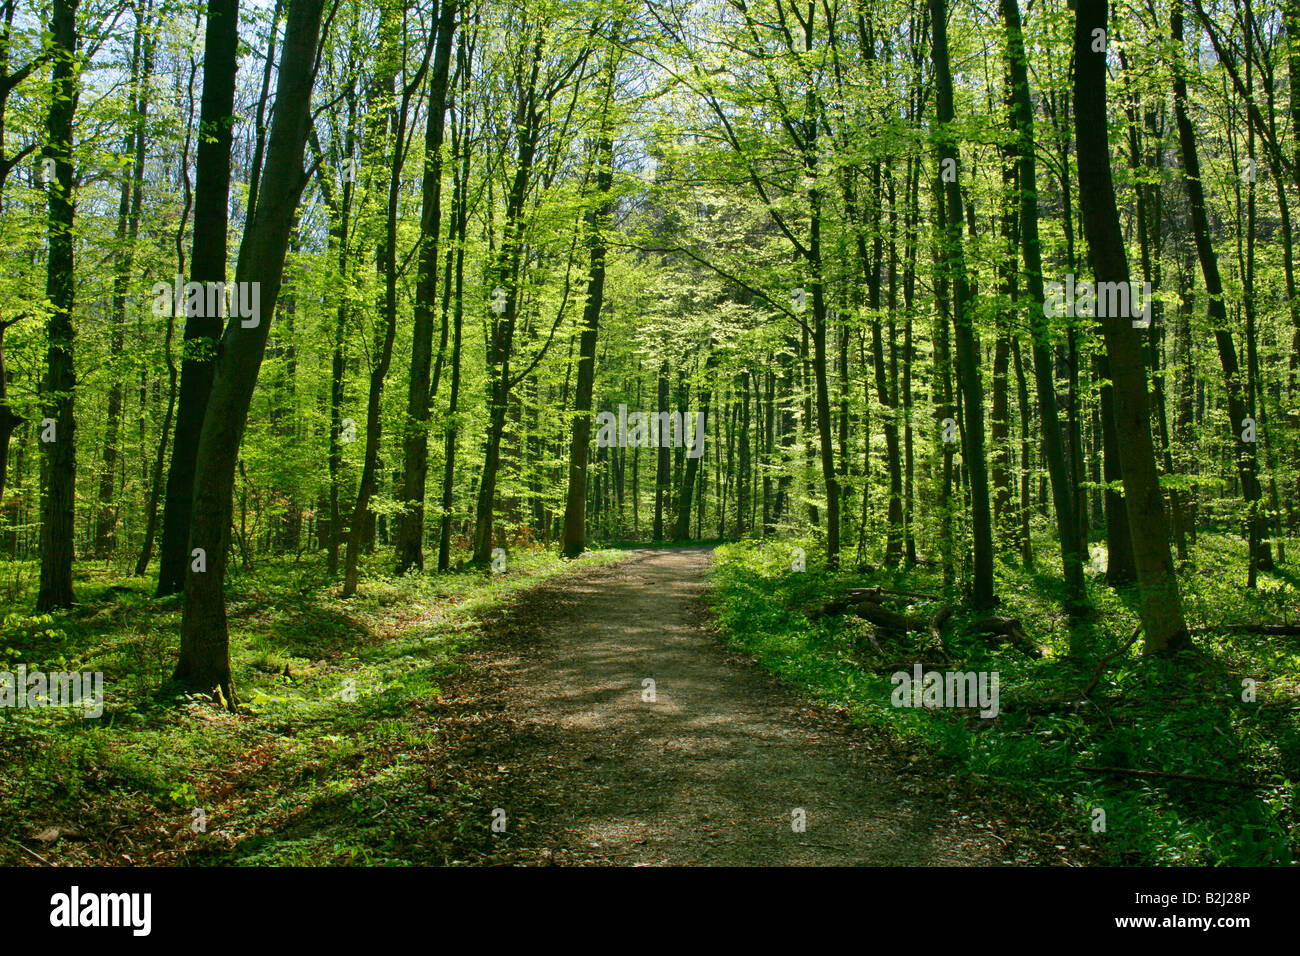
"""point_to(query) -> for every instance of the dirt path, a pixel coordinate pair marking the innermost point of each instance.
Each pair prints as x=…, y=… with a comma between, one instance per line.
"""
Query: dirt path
x=710, y=772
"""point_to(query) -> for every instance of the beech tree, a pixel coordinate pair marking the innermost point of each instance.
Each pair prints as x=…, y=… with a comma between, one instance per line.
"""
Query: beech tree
x=832, y=234
x=204, y=661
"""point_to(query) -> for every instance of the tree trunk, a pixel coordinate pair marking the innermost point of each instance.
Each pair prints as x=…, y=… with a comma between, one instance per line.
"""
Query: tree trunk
x=1044, y=378
x=574, y=540
x=1161, y=605
x=410, y=529
x=968, y=373
x=205, y=655
x=128, y=226
x=1261, y=556
x=59, y=474
x=460, y=184
x=207, y=264
x=388, y=129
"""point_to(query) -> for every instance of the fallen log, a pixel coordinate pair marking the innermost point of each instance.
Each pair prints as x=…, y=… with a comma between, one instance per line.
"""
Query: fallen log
x=882, y=616
x=876, y=593
x=856, y=599
x=937, y=620
x=1008, y=627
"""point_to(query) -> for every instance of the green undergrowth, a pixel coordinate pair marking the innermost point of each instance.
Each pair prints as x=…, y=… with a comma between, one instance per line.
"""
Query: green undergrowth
x=336, y=754
x=1181, y=715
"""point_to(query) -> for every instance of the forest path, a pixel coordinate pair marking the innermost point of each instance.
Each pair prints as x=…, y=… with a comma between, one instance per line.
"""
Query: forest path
x=713, y=769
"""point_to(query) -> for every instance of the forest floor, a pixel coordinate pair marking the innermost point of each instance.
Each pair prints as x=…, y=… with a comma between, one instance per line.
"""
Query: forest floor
x=1178, y=760
x=715, y=762
x=398, y=726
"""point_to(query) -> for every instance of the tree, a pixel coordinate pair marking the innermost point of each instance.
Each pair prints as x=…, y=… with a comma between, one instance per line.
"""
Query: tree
x=968, y=373
x=1022, y=117
x=207, y=265
x=596, y=222
x=204, y=661
x=59, y=468
x=1161, y=605
x=410, y=536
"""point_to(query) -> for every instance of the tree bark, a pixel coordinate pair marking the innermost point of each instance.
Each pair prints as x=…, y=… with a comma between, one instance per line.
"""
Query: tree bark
x=1160, y=604
x=59, y=472
x=410, y=529
x=204, y=661
x=207, y=264
x=968, y=373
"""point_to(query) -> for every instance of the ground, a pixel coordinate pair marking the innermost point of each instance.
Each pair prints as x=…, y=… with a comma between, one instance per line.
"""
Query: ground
x=397, y=727
x=590, y=767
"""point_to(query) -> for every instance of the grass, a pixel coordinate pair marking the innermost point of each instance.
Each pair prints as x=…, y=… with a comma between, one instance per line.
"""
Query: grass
x=343, y=750
x=1181, y=715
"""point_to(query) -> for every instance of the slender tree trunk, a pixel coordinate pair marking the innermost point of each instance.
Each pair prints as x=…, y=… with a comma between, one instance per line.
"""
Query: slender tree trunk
x=59, y=472
x=338, y=363
x=205, y=652
x=410, y=530
x=207, y=264
x=507, y=274
x=682, y=531
x=1022, y=397
x=9, y=419
x=1121, y=572
x=574, y=540
x=662, y=478
x=1161, y=605
x=968, y=373
x=1044, y=378
x=1246, y=459
x=461, y=138
x=128, y=222
x=389, y=128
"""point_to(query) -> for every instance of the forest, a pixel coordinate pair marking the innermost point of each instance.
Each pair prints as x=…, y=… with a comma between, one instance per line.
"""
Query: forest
x=916, y=333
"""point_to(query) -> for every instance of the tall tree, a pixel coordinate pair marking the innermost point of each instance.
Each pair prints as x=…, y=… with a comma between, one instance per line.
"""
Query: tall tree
x=389, y=129
x=207, y=264
x=410, y=535
x=1261, y=556
x=58, y=429
x=10, y=78
x=598, y=214
x=968, y=372
x=1161, y=605
x=130, y=204
x=204, y=661
x=1022, y=115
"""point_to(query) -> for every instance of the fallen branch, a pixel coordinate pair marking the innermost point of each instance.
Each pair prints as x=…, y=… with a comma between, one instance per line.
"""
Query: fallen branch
x=1101, y=664
x=1188, y=777
x=907, y=667
x=37, y=856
